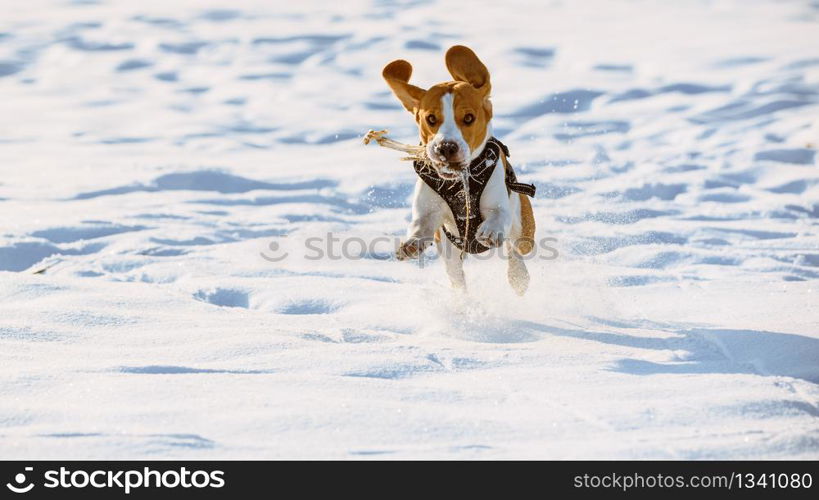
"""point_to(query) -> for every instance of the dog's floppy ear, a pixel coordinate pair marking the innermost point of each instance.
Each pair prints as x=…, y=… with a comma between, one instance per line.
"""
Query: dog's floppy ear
x=397, y=75
x=464, y=66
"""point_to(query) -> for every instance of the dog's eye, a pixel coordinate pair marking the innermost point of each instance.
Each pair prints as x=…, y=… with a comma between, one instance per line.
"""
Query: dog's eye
x=469, y=118
x=431, y=119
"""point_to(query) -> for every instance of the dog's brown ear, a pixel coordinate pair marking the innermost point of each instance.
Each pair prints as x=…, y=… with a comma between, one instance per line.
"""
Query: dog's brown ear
x=397, y=75
x=464, y=66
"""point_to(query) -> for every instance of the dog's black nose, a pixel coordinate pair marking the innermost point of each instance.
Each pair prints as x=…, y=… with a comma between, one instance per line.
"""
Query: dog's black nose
x=447, y=149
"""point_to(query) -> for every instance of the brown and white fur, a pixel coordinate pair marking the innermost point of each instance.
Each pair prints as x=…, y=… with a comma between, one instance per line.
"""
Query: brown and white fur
x=454, y=121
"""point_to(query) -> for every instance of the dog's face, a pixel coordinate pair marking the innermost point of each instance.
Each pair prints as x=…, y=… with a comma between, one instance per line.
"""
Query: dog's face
x=452, y=117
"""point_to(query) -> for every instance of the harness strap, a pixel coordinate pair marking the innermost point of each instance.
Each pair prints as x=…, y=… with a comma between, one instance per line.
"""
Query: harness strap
x=512, y=183
x=520, y=187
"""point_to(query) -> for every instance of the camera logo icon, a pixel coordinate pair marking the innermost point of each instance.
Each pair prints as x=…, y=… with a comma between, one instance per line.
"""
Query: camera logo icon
x=20, y=479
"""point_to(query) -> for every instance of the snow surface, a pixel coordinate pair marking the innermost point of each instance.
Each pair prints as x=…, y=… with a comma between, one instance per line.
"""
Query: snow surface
x=151, y=151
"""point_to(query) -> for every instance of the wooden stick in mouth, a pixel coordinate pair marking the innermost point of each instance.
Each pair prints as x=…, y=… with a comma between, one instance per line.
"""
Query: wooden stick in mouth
x=417, y=153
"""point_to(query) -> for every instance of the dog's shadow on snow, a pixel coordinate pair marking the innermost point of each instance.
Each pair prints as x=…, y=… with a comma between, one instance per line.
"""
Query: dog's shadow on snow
x=707, y=350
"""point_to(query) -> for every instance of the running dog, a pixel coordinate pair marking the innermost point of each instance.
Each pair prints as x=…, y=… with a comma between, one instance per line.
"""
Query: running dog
x=459, y=191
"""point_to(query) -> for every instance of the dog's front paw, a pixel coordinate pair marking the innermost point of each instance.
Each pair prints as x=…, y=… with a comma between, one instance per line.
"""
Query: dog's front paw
x=490, y=234
x=411, y=249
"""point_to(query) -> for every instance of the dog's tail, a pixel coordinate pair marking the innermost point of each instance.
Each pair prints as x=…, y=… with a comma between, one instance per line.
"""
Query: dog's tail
x=526, y=243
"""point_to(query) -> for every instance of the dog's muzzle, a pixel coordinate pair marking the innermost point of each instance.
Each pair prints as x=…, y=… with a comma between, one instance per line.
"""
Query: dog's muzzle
x=448, y=159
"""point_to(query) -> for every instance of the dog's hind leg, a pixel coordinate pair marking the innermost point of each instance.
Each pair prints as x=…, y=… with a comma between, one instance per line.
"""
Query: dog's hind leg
x=516, y=270
x=519, y=243
x=452, y=260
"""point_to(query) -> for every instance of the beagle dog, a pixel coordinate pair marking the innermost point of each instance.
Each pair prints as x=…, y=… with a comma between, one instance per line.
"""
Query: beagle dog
x=454, y=122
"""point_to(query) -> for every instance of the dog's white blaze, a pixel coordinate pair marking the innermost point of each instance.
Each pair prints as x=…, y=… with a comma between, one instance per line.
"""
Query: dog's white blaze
x=449, y=130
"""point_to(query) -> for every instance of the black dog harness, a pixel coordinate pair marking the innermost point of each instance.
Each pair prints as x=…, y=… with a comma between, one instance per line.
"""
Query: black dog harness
x=452, y=191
